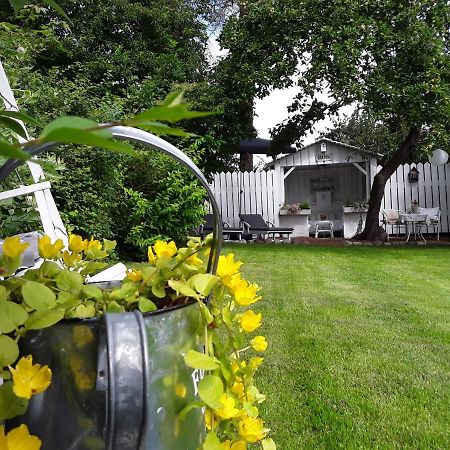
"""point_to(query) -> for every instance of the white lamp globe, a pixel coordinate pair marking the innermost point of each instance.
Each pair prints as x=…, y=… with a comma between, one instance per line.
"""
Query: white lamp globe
x=439, y=157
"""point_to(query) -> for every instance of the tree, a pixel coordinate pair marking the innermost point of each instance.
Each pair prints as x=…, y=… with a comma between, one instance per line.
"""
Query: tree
x=116, y=59
x=392, y=57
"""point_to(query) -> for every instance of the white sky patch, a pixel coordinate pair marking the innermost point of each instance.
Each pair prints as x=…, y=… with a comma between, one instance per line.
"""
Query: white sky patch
x=272, y=110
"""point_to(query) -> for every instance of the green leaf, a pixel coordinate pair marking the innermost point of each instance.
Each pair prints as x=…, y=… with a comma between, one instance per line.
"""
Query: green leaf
x=92, y=292
x=8, y=150
x=9, y=350
x=68, y=300
x=11, y=405
x=19, y=115
x=49, y=269
x=198, y=360
x=268, y=444
x=203, y=283
x=38, y=296
x=210, y=390
x=109, y=246
x=189, y=407
x=93, y=267
x=70, y=281
x=250, y=410
x=85, y=311
x=126, y=290
x=18, y=4
x=14, y=126
x=90, y=138
x=44, y=319
x=182, y=288
x=206, y=313
x=58, y=9
x=173, y=98
x=146, y=305
x=160, y=128
x=159, y=290
x=73, y=123
x=169, y=114
x=4, y=293
x=11, y=316
x=114, y=307
x=212, y=442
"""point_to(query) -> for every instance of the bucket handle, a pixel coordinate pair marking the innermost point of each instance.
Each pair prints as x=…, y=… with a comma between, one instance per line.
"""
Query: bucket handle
x=152, y=141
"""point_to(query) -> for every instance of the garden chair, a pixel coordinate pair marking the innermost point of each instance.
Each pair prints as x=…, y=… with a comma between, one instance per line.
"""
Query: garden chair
x=324, y=228
x=433, y=219
x=392, y=218
x=254, y=224
x=52, y=223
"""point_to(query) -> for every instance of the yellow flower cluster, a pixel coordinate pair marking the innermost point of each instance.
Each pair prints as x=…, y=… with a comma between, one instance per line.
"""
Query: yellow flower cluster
x=237, y=404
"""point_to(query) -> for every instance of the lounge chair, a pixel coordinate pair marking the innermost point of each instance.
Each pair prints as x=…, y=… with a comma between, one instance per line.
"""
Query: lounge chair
x=254, y=224
x=227, y=231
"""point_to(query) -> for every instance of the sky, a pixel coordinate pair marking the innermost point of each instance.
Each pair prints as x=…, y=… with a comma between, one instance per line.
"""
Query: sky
x=272, y=110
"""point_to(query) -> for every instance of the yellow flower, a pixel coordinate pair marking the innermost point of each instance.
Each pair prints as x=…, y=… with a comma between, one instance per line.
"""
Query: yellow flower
x=238, y=389
x=180, y=390
x=194, y=260
x=134, y=275
x=77, y=244
x=47, y=250
x=161, y=249
x=19, y=439
x=30, y=379
x=250, y=321
x=71, y=259
x=255, y=362
x=13, y=248
x=94, y=244
x=245, y=294
x=259, y=343
x=235, y=282
x=228, y=410
x=251, y=429
x=239, y=445
x=227, y=267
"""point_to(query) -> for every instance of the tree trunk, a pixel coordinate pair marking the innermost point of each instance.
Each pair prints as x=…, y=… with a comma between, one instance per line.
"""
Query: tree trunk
x=372, y=230
x=246, y=162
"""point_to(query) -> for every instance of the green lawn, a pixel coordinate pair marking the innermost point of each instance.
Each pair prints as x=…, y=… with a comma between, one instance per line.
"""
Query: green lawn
x=359, y=352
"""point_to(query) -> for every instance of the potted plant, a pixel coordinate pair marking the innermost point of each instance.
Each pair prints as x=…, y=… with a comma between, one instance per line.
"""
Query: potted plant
x=305, y=208
x=355, y=206
x=168, y=350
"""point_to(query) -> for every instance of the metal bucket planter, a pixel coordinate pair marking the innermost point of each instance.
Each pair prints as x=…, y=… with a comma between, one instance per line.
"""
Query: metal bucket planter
x=119, y=382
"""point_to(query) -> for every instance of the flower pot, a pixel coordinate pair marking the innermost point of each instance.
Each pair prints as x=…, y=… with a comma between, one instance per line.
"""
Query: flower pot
x=119, y=382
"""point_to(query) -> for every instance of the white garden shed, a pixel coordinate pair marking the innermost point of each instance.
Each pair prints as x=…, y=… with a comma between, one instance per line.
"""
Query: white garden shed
x=327, y=175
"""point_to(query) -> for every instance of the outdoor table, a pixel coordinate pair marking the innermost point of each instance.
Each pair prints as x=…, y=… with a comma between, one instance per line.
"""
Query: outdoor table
x=414, y=222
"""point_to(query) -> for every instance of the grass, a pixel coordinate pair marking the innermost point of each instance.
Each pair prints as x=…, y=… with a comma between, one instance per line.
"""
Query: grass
x=359, y=345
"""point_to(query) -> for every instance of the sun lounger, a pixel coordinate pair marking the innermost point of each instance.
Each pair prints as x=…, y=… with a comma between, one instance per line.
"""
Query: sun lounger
x=254, y=224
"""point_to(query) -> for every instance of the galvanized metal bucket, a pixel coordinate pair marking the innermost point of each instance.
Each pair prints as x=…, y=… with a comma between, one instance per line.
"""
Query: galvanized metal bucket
x=119, y=382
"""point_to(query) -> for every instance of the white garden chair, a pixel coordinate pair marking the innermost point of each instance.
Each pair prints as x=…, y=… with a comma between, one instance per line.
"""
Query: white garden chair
x=52, y=223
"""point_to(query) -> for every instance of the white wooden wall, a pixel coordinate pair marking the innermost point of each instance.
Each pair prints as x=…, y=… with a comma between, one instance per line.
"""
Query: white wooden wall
x=247, y=192
x=260, y=192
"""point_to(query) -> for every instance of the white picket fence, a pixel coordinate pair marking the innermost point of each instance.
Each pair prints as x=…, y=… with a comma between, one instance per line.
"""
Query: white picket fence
x=258, y=192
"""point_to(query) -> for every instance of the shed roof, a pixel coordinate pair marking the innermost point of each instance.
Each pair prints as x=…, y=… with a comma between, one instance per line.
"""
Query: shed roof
x=308, y=149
